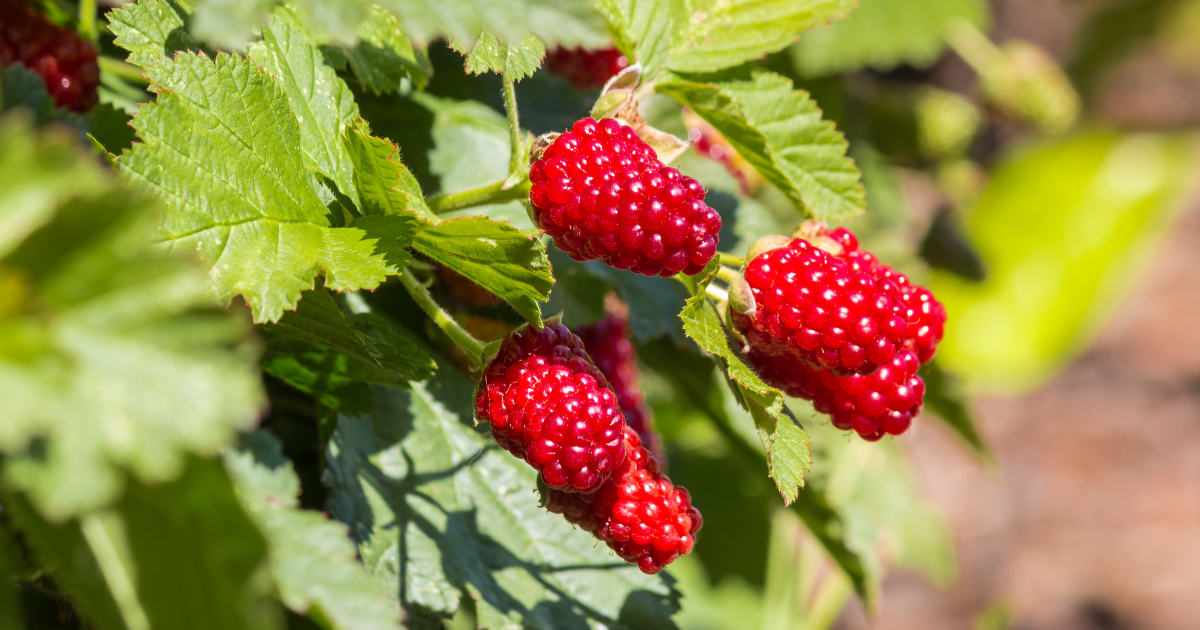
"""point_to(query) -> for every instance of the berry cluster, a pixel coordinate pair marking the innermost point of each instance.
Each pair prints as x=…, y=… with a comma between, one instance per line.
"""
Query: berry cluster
x=66, y=63
x=806, y=311
x=586, y=69
x=638, y=512
x=549, y=405
x=602, y=193
x=608, y=343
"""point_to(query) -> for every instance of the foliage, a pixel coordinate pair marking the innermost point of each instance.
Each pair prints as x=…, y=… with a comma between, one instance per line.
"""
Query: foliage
x=172, y=459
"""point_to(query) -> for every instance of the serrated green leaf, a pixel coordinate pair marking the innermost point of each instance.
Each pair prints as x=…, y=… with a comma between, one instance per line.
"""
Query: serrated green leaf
x=322, y=104
x=568, y=24
x=944, y=396
x=438, y=511
x=318, y=320
x=461, y=20
x=882, y=34
x=385, y=185
x=312, y=558
x=384, y=56
x=513, y=62
x=110, y=127
x=645, y=30
x=779, y=131
x=222, y=148
x=726, y=33
x=785, y=442
x=498, y=257
x=150, y=30
x=110, y=351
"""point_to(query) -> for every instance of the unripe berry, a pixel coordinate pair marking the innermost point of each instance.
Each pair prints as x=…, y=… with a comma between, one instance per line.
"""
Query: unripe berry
x=609, y=343
x=883, y=403
x=586, y=69
x=549, y=405
x=638, y=512
x=601, y=193
x=65, y=62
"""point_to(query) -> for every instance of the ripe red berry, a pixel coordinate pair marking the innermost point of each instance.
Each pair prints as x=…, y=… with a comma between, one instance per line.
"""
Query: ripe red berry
x=602, y=193
x=610, y=346
x=586, y=69
x=882, y=403
x=549, y=405
x=638, y=512
x=807, y=306
x=66, y=63
x=926, y=316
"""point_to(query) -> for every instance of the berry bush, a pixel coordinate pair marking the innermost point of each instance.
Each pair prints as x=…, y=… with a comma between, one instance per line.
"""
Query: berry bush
x=359, y=316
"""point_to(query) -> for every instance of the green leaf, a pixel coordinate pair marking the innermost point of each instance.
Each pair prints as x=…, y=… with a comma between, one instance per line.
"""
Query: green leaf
x=319, y=321
x=385, y=186
x=1062, y=228
x=785, y=442
x=461, y=20
x=513, y=62
x=945, y=398
x=498, y=257
x=110, y=127
x=882, y=34
x=322, y=104
x=312, y=558
x=384, y=56
x=111, y=352
x=726, y=33
x=779, y=131
x=222, y=148
x=151, y=30
x=645, y=30
x=438, y=511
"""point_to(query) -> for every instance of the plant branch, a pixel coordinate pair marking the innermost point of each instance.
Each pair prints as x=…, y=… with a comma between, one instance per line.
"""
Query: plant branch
x=730, y=259
x=727, y=274
x=461, y=338
x=87, y=20
x=126, y=71
x=514, y=126
x=486, y=194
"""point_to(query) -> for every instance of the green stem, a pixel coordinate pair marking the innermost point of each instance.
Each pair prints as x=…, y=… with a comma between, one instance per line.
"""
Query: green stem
x=126, y=71
x=514, y=126
x=974, y=47
x=493, y=192
x=727, y=274
x=87, y=19
x=461, y=338
x=730, y=259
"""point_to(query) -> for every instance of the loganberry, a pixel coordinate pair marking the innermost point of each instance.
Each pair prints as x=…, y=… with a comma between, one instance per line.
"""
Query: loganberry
x=882, y=403
x=586, y=69
x=65, y=62
x=549, y=405
x=638, y=512
x=804, y=304
x=610, y=346
x=602, y=193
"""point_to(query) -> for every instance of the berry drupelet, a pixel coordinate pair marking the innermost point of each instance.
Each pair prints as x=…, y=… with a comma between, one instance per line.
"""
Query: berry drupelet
x=549, y=405
x=638, y=512
x=586, y=69
x=602, y=193
x=609, y=344
x=65, y=62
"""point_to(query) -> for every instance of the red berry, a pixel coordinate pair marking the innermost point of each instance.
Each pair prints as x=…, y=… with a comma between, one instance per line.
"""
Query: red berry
x=805, y=305
x=638, y=512
x=586, y=69
x=882, y=403
x=610, y=346
x=66, y=63
x=549, y=405
x=602, y=193
x=925, y=315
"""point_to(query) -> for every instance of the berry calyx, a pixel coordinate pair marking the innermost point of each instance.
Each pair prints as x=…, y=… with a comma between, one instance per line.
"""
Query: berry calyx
x=638, y=512
x=549, y=405
x=586, y=69
x=601, y=193
x=609, y=343
x=65, y=62
x=883, y=403
x=802, y=303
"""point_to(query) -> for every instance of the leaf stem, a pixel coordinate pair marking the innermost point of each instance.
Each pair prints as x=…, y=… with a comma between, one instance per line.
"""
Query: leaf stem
x=492, y=192
x=730, y=259
x=126, y=71
x=974, y=47
x=727, y=274
x=87, y=19
x=461, y=338
x=514, y=126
